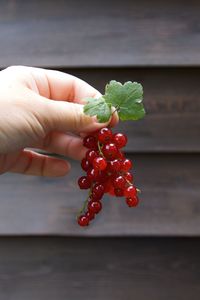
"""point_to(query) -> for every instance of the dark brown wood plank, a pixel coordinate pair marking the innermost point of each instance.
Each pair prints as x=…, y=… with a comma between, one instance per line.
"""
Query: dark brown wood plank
x=108, y=269
x=104, y=33
x=169, y=205
x=172, y=101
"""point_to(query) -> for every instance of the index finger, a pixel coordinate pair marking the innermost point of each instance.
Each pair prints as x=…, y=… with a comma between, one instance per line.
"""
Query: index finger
x=57, y=85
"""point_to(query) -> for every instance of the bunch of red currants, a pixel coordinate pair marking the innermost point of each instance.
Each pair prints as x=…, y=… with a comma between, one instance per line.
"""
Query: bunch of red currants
x=107, y=171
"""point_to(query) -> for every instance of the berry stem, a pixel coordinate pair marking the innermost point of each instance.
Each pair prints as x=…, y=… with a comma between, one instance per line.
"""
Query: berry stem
x=82, y=210
x=128, y=181
x=138, y=190
x=99, y=148
x=117, y=109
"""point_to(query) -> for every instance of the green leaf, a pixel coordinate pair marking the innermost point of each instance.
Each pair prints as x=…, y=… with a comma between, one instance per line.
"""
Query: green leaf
x=98, y=108
x=126, y=98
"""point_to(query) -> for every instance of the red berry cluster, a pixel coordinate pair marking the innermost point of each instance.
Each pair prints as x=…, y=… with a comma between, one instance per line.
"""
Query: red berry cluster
x=107, y=171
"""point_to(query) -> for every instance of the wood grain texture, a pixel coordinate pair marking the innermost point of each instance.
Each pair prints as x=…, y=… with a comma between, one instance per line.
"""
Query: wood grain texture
x=104, y=33
x=172, y=101
x=169, y=205
x=108, y=269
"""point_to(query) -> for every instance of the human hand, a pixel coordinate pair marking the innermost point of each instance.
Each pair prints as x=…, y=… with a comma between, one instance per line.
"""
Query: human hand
x=40, y=109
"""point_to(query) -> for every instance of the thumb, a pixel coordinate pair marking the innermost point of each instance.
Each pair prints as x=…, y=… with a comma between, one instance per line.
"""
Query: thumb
x=68, y=116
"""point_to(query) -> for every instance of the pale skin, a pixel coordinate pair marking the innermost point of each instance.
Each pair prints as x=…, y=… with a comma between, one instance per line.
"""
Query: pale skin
x=43, y=109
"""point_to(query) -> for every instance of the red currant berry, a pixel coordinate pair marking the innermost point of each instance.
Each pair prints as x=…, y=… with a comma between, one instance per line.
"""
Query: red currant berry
x=120, y=140
x=99, y=163
x=83, y=220
x=94, y=206
x=90, y=155
x=90, y=142
x=130, y=191
x=119, y=192
x=85, y=164
x=126, y=165
x=90, y=215
x=84, y=183
x=115, y=165
x=94, y=197
x=102, y=177
x=111, y=190
x=105, y=135
x=128, y=176
x=119, y=182
x=120, y=155
x=110, y=151
x=97, y=191
x=131, y=202
x=107, y=185
x=92, y=174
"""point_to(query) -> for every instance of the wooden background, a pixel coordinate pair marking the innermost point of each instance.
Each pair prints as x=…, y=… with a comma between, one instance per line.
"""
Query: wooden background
x=154, y=42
